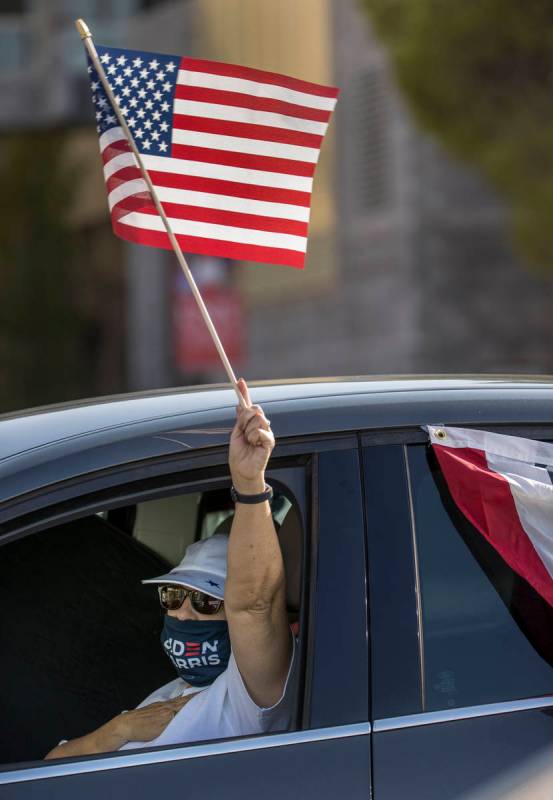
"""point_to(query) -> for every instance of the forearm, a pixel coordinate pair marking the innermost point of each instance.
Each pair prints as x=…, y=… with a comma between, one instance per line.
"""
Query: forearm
x=255, y=573
x=105, y=739
x=255, y=604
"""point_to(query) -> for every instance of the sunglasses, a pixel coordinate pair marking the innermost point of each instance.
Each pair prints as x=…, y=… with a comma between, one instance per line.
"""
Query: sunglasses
x=172, y=597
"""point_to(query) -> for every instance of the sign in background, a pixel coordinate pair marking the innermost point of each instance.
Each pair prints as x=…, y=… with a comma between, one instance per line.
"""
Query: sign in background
x=194, y=350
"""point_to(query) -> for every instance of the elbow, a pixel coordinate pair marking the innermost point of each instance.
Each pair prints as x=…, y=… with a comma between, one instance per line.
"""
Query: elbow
x=258, y=600
x=253, y=605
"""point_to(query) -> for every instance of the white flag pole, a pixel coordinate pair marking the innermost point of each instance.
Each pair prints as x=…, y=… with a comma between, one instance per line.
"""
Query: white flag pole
x=86, y=36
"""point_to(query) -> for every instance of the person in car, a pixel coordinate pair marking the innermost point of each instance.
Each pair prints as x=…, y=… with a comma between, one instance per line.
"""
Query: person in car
x=225, y=628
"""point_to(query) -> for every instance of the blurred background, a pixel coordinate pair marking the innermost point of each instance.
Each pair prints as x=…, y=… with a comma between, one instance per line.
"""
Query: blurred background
x=430, y=240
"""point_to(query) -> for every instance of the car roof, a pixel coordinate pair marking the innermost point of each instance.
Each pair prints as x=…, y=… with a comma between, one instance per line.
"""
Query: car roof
x=34, y=427
x=92, y=434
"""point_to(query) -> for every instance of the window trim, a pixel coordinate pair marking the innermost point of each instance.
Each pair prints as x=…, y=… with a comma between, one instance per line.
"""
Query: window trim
x=410, y=435
x=181, y=753
x=463, y=712
x=417, y=577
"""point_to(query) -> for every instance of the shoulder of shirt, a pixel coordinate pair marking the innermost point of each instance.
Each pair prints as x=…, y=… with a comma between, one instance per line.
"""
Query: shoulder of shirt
x=168, y=691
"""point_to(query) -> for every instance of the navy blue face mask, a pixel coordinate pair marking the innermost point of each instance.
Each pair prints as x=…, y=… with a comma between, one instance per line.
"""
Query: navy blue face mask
x=199, y=649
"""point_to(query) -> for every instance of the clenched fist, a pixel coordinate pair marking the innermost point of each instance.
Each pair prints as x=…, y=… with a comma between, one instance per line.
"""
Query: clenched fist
x=251, y=444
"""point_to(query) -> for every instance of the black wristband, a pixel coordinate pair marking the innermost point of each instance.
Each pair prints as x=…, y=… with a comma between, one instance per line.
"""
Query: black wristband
x=251, y=499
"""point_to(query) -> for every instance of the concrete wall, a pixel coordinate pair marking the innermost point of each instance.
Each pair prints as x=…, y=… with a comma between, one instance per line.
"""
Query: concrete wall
x=427, y=278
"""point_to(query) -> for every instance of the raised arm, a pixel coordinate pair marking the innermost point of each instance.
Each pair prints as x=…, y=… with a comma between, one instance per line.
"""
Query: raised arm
x=255, y=597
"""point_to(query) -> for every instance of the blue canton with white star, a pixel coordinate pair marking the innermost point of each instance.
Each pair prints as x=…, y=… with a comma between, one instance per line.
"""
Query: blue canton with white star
x=144, y=87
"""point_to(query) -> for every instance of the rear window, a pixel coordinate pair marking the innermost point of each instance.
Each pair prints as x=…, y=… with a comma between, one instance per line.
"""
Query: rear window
x=487, y=635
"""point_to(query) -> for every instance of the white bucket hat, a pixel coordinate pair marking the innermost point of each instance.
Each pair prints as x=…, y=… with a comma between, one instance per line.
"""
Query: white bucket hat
x=204, y=567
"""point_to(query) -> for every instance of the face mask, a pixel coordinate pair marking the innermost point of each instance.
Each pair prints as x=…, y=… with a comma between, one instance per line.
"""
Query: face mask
x=198, y=649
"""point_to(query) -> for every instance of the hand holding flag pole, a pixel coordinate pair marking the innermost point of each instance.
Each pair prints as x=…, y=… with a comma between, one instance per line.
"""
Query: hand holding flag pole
x=86, y=37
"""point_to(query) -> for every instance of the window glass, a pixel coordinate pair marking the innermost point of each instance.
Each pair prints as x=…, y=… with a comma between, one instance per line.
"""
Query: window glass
x=486, y=633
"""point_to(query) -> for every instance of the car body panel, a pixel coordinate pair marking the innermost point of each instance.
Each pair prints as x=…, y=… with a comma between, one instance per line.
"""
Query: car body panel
x=288, y=768
x=443, y=761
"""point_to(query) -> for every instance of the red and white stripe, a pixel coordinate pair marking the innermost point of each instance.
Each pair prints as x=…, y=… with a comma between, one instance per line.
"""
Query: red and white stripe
x=495, y=482
x=238, y=184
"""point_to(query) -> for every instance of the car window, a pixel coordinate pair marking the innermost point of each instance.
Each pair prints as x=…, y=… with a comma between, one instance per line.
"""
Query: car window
x=486, y=635
x=80, y=633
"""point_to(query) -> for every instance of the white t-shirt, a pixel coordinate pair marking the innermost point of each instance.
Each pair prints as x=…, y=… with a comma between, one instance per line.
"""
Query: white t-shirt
x=223, y=709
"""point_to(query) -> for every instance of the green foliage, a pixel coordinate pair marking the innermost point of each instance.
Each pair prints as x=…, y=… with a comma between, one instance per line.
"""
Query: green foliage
x=40, y=326
x=479, y=75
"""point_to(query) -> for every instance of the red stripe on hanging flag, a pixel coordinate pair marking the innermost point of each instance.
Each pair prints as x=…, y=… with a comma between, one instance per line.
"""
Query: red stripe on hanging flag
x=226, y=158
x=211, y=247
x=115, y=149
x=232, y=218
x=269, y=194
x=485, y=498
x=258, y=76
x=135, y=202
x=247, y=130
x=238, y=99
x=122, y=176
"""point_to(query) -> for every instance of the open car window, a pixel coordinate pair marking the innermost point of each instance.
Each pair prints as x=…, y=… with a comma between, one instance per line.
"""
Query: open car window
x=80, y=633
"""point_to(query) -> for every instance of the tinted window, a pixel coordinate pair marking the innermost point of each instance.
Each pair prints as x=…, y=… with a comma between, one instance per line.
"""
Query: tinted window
x=486, y=633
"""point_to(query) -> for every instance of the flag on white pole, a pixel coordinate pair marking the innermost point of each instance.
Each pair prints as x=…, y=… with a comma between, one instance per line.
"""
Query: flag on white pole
x=503, y=485
x=230, y=150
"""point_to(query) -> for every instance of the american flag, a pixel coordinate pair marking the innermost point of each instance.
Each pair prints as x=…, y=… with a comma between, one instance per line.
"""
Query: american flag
x=230, y=150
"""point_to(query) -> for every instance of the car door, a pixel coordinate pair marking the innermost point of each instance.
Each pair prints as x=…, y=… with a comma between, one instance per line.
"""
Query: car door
x=462, y=656
x=327, y=752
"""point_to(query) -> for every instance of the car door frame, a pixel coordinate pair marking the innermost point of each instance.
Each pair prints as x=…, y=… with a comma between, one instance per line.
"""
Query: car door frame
x=330, y=729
